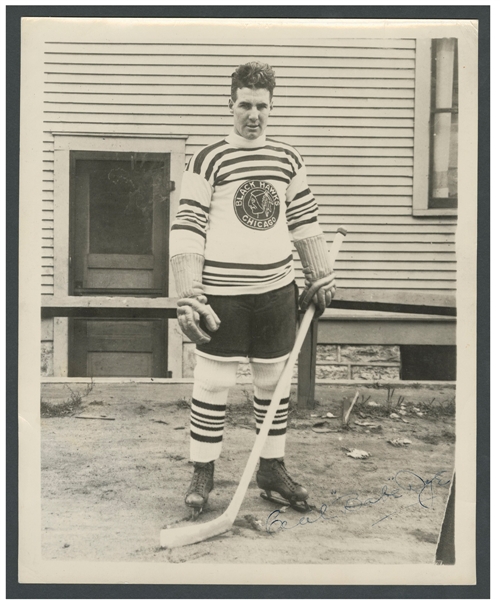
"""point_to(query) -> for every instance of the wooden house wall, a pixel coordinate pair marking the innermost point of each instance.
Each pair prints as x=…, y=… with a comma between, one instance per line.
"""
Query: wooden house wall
x=346, y=104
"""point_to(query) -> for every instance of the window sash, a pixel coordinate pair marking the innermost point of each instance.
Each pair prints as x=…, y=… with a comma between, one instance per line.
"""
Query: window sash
x=425, y=203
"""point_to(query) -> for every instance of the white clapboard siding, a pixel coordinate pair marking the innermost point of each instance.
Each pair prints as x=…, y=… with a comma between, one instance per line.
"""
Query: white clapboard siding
x=168, y=61
x=372, y=117
x=346, y=104
x=162, y=91
x=181, y=78
x=212, y=102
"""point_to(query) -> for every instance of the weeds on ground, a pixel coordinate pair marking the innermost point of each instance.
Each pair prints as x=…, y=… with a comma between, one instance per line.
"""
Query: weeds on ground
x=182, y=403
x=431, y=409
x=69, y=406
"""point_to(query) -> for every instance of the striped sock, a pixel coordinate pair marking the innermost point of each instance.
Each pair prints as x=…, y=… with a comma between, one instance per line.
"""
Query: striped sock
x=265, y=379
x=212, y=380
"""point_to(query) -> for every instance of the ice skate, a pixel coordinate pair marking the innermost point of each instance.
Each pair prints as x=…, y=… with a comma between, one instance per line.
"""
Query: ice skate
x=201, y=485
x=272, y=476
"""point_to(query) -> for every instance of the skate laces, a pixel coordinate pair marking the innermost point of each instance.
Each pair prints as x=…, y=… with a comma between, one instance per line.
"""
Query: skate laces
x=200, y=478
x=280, y=466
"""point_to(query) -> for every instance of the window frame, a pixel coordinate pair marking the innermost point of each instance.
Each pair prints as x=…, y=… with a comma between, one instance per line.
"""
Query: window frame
x=422, y=135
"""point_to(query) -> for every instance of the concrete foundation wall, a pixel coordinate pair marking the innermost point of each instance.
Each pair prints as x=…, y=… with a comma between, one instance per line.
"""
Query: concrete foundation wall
x=369, y=363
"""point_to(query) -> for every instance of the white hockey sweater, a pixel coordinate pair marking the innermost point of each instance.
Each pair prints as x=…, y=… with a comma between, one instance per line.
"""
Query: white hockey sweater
x=241, y=200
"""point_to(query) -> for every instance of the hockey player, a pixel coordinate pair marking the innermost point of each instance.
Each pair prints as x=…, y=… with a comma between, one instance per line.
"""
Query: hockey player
x=242, y=199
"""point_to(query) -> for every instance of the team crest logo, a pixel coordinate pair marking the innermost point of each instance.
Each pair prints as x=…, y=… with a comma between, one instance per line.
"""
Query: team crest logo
x=257, y=204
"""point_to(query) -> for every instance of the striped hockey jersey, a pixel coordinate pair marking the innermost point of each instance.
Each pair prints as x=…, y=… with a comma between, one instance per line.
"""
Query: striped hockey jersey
x=241, y=201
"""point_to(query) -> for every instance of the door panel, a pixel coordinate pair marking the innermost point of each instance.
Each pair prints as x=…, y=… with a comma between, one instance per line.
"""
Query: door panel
x=115, y=261
x=124, y=279
x=120, y=211
x=119, y=206
x=119, y=364
x=116, y=348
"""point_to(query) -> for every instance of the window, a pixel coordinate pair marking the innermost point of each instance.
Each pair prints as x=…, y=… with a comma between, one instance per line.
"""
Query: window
x=435, y=190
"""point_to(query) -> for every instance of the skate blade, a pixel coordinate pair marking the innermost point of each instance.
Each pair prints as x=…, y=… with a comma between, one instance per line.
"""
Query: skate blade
x=302, y=507
x=194, y=514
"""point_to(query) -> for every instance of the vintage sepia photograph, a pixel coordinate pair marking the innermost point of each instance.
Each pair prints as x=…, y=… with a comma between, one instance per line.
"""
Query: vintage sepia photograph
x=248, y=300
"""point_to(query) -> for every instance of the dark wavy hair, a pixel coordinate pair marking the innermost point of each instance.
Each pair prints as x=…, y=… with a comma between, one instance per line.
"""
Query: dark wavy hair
x=253, y=75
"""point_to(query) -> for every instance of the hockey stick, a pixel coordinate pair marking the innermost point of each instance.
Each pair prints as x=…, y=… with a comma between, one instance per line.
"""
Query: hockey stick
x=183, y=536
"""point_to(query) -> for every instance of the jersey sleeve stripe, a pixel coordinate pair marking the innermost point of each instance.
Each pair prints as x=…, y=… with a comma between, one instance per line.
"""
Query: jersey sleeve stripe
x=189, y=228
x=192, y=218
x=187, y=212
x=300, y=216
x=295, y=225
x=301, y=195
x=293, y=210
x=194, y=203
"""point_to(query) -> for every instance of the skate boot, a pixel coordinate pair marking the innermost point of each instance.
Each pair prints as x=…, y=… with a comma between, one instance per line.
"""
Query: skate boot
x=273, y=477
x=202, y=484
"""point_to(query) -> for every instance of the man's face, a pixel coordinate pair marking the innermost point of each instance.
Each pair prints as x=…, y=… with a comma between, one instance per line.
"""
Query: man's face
x=250, y=111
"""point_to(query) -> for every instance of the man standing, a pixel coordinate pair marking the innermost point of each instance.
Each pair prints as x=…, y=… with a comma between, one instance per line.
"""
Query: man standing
x=241, y=200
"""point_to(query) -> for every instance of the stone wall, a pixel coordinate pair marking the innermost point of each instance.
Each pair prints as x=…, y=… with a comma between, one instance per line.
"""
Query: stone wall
x=47, y=348
x=369, y=363
x=47, y=359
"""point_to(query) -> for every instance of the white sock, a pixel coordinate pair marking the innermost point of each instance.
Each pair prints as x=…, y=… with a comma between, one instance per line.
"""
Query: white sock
x=265, y=379
x=212, y=380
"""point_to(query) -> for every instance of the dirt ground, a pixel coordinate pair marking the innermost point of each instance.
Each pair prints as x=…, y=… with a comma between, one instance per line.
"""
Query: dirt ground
x=109, y=486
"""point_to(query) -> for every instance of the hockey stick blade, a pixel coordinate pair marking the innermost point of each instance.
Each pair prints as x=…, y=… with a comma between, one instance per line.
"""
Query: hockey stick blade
x=192, y=534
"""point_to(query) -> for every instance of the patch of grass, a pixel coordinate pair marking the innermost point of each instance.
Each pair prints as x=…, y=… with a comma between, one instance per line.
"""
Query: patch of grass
x=434, y=409
x=430, y=409
x=390, y=394
x=362, y=401
x=69, y=406
x=63, y=409
x=182, y=403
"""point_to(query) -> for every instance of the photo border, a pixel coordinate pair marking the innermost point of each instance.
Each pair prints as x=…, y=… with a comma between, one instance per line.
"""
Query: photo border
x=481, y=589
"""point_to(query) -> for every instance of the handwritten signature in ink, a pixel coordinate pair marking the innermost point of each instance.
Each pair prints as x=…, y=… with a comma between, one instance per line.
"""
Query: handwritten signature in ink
x=405, y=482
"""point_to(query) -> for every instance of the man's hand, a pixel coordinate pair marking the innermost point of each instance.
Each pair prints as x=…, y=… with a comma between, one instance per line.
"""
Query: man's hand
x=189, y=312
x=319, y=291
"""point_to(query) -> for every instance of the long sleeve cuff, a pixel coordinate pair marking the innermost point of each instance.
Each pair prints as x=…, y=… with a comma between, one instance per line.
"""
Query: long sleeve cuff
x=187, y=270
x=313, y=254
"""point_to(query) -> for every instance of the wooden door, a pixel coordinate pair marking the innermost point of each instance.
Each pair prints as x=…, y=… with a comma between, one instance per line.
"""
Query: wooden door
x=117, y=348
x=120, y=223
x=119, y=207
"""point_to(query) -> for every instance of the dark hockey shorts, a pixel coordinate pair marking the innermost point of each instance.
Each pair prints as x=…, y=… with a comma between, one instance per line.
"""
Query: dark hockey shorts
x=257, y=326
